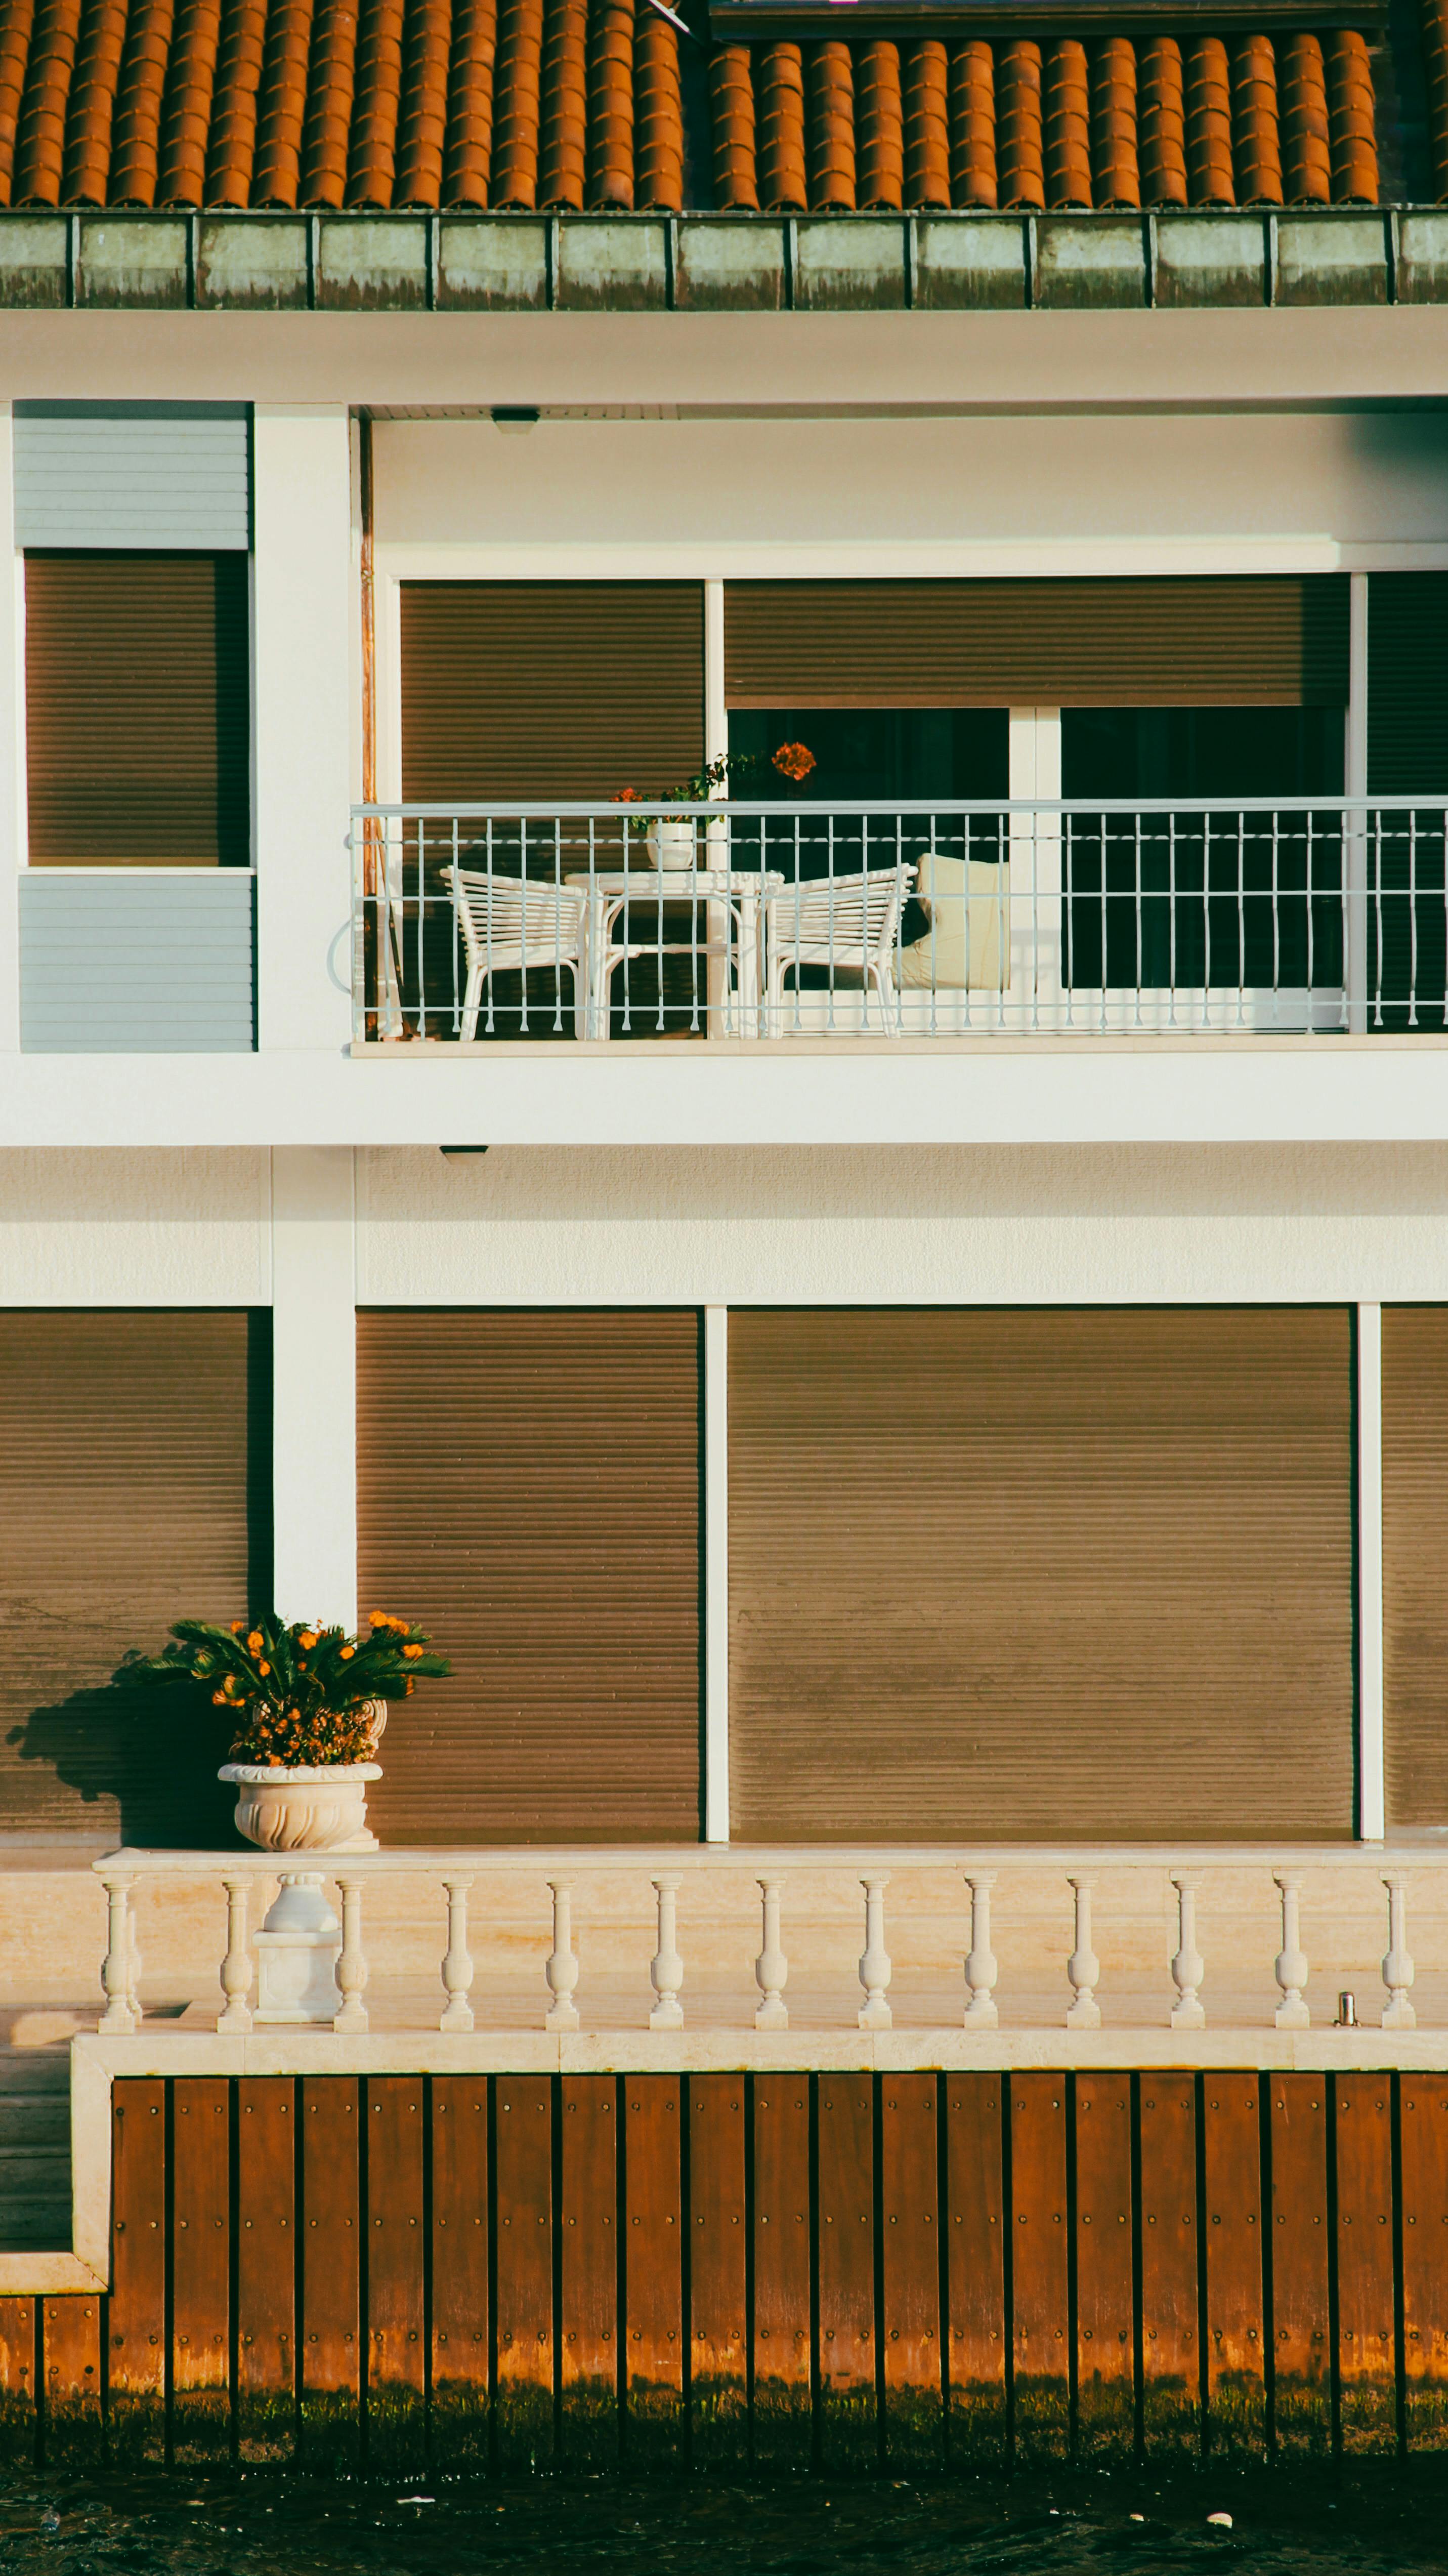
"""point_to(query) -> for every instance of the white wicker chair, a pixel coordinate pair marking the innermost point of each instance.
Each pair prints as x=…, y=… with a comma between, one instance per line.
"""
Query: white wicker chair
x=510, y=923
x=847, y=924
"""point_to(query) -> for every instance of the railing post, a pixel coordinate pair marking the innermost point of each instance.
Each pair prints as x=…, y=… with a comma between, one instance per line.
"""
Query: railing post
x=771, y=1967
x=1083, y=1968
x=236, y=1966
x=118, y=1973
x=457, y=1966
x=667, y=1970
x=352, y=1965
x=1291, y=1961
x=875, y=2013
x=561, y=1970
x=980, y=1967
x=1188, y=1967
x=1398, y=1971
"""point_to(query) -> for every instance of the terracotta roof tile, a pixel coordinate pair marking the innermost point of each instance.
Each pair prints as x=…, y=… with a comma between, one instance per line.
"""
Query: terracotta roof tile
x=611, y=104
x=578, y=104
x=467, y=161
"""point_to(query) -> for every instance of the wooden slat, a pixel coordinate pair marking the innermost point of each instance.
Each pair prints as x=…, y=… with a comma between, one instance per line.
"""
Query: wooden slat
x=975, y=2251
x=654, y=2289
x=201, y=2268
x=1423, y=2123
x=396, y=2315
x=1009, y=1445
x=1105, y=2324
x=524, y=2186
x=71, y=2360
x=1236, y=2371
x=1171, y=2351
x=17, y=2382
x=1301, y=2249
x=136, y=2325
x=501, y=1453
x=1366, y=2295
x=718, y=2268
x=589, y=2261
x=1040, y=2255
x=910, y=2252
x=845, y=2169
x=460, y=2324
x=266, y=2267
x=330, y=2426
x=781, y=2271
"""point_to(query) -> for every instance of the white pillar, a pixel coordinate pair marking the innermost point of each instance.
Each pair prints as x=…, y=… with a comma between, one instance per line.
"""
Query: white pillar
x=716, y=710
x=306, y=718
x=1036, y=926
x=716, y=1574
x=1355, y=782
x=12, y=731
x=1372, y=1775
x=314, y=1384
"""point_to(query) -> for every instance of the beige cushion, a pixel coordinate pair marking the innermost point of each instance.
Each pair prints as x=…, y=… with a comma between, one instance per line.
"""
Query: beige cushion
x=964, y=950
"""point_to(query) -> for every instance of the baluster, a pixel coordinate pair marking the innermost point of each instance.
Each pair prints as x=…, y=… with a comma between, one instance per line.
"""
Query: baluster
x=352, y=1965
x=667, y=1969
x=980, y=1966
x=1083, y=1968
x=236, y=1966
x=562, y=1968
x=1188, y=1967
x=117, y=1975
x=1291, y=1960
x=771, y=1967
x=875, y=2013
x=457, y=1966
x=1398, y=1971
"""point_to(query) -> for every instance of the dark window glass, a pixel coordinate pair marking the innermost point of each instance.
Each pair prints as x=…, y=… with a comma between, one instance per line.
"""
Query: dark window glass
x=866, y=753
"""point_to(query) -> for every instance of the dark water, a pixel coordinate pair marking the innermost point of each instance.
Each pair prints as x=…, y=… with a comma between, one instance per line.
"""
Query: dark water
x=1302, y=2523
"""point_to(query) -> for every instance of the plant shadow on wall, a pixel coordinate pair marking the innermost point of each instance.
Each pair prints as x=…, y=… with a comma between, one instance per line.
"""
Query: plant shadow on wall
x=150, y=1785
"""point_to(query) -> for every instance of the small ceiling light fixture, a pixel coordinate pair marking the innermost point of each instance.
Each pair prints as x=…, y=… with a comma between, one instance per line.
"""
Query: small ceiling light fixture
x=515, y=416
x=462, y=1149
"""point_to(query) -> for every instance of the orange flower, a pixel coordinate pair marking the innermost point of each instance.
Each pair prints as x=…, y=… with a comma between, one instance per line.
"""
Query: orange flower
x=347, y=1653
x=237, y=1626
x=794, y=760
x=255, y=1642
x=263, y=1668
x=307, y=1639
x=411, y=1652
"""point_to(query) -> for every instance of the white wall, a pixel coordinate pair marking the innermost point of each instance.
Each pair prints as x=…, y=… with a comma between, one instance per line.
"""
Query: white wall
x=996, y=493
x=874, y=1224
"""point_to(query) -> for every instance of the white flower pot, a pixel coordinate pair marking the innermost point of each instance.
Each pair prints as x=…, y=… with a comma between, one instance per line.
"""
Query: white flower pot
x=313, y=1810
x=671, y=845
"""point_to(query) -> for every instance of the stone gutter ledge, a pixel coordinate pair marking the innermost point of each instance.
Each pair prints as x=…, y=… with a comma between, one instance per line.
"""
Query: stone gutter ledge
x=720, y=263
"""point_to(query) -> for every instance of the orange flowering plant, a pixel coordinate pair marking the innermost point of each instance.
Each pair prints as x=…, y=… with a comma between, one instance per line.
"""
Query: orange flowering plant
x=792, y=760
x=299, y=1695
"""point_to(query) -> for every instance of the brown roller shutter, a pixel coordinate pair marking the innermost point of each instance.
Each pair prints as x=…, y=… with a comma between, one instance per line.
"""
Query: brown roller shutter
x=529, y=1490
x=130, y=1445
x=1262, y=640
x=1415, y=1554
x=137, y=710
x=1040, y=1574
x=546, y=690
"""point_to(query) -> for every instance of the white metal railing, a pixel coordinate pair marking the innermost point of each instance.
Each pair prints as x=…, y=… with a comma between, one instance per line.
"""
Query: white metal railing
x=905, y=919
x=1166, y=1915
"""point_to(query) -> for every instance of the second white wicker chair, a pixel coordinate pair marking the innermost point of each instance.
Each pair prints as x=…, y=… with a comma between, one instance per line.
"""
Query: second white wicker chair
x=508, y=923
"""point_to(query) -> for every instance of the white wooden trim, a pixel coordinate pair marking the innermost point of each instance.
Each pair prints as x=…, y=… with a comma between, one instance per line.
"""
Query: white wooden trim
x=1355, y=783
x=884, y=558
x=716, y=711
x=12, y=728
x=314, y=1383
x=716, y=1574
x=1372, y=1784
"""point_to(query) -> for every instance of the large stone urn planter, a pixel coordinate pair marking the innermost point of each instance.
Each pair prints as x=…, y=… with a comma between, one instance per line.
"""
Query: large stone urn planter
x=315, y=1810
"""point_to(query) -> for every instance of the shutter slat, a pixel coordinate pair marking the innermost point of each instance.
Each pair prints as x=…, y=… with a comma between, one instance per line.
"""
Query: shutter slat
x=1415, y=1551
x=141, y=479
x=123, y=1498
x=137, y=709
x=550, y=689
x=1408, y=684
x=1258, y=640
x=529, y=1491
x=1001, y=1575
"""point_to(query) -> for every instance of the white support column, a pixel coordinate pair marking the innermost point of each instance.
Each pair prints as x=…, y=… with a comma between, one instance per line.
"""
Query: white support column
x=1372, y=1779
x=314, y=1383
x=716, y=711
x=716, y=1574
x=1355, y=782
x=306, y=717
x=1034, y=776
x=12, y=730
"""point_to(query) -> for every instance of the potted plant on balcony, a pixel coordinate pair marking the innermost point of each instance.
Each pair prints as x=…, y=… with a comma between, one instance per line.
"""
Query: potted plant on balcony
x=309, y=1704
x=671, y=839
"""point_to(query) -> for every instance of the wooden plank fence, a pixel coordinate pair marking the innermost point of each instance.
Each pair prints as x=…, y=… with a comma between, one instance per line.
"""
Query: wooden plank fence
x=854, y=2272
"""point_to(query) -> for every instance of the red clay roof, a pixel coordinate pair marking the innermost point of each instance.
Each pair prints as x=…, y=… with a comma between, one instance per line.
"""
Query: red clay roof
x=579, y=104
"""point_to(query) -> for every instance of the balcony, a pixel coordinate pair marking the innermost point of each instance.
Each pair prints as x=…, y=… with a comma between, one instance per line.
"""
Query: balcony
x=910, y=921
